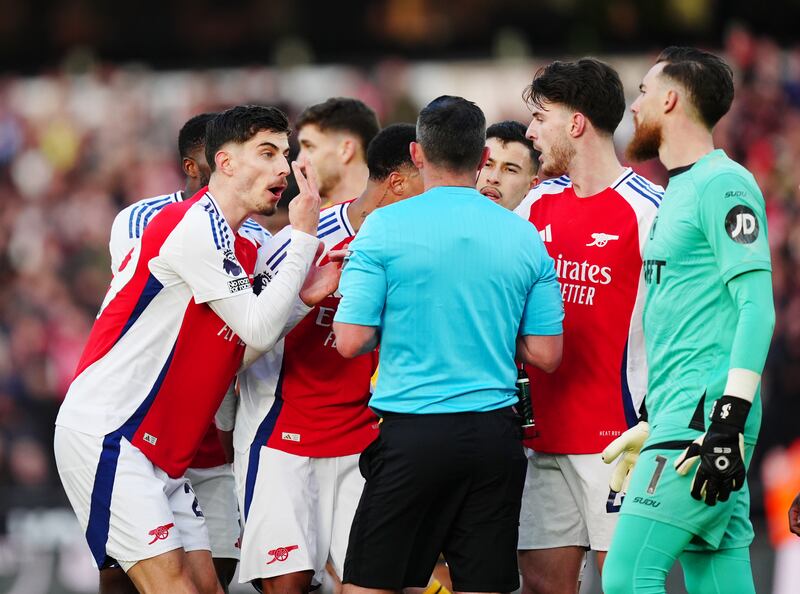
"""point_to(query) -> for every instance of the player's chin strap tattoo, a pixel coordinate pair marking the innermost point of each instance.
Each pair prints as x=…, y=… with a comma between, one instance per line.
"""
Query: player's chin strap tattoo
x=721, y=448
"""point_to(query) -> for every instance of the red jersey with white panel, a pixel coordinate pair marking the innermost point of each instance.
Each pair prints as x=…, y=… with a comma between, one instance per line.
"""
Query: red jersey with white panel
x=126, y=233
x=303, y=397
x=158, y=360
x=597, y=244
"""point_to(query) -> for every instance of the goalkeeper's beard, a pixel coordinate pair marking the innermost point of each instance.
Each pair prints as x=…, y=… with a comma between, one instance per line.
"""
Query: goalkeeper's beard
x=646, y=141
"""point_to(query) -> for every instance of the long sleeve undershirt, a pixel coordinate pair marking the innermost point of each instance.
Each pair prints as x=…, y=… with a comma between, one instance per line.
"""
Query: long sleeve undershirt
x=261, y=320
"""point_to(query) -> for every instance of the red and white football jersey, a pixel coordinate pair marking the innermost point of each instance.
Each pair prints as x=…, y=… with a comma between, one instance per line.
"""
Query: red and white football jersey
x=130, y=223
x=303, y=397
x=126, y=233
x=158, y=360
x=597, y=244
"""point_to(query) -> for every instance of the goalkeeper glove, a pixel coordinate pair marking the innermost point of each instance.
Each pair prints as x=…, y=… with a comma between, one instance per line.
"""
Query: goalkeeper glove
x=629, y=444
x=720, y=451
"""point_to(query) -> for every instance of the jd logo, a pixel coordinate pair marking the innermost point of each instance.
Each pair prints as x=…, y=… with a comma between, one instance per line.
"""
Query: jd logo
x=646, y=501
x=741, y=224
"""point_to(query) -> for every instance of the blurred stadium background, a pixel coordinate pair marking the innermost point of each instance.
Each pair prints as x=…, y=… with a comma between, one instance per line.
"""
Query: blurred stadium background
x=92, y=94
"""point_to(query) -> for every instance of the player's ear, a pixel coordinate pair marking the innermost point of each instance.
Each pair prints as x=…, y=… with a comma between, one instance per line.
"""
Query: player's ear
x=577, y=125
x=534, y=181
x=396, y=183
x=224, y=162
x=347, y=149
x=670, y=101
x=190, y=168
x=484, y=157
x=417, y=154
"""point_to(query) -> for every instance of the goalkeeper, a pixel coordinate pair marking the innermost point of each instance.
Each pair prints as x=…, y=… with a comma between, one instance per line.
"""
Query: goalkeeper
x=708, y=321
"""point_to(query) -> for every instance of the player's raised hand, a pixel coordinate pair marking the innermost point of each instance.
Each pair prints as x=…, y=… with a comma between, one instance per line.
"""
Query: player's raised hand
x=304, y=208
x=720, y=451
x=794, y=515
x=629, y=444
x=322, y=281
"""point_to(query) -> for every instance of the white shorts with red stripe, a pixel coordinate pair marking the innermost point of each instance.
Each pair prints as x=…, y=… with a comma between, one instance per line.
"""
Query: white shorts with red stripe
x=297, y=511
x=129, y=509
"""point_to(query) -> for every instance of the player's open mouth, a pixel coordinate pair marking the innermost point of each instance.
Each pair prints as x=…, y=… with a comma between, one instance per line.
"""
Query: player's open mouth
x=278, y=190
x=491, y=193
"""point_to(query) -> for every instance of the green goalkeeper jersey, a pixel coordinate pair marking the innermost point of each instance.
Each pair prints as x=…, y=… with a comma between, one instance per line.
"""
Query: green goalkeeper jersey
x=711, y=227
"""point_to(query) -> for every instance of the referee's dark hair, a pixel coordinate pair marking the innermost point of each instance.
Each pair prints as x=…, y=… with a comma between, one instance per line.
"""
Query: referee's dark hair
x=452, y=132
x=239, y=124
x=513, y=131
x=192, y=135
x=342, y=114
x=588, y=86
x=389, y=150
x=706, y=77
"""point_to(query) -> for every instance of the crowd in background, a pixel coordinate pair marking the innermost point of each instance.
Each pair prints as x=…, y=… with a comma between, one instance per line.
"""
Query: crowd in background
x=75, y=148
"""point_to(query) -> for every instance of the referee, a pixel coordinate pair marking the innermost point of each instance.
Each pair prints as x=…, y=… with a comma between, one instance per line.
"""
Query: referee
x=452, y=286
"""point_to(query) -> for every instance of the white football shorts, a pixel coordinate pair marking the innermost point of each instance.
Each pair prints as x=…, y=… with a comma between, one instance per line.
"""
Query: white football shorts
x=567, y=502
x=129, y=509
x=297, y=511
x=215, y=489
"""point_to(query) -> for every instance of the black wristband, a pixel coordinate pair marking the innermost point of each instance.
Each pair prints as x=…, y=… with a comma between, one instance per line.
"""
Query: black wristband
x=731, y=411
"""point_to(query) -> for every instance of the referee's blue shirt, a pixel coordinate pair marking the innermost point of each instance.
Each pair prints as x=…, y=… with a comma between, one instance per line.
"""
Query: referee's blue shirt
x=450, y=278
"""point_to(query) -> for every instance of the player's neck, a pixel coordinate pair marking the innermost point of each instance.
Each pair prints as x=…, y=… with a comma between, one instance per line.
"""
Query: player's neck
x=594, y=168
x=376, y=194
x=352, y=183
x=234, y=210
x=684, y=144
x=435, y=177
x=190, y=189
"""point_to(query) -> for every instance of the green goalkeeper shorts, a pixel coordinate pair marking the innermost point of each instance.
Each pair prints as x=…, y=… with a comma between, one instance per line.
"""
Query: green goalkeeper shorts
x=658, y=492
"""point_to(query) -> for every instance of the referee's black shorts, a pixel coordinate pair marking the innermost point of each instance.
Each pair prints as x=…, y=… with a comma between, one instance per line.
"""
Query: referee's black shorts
x=444, y=483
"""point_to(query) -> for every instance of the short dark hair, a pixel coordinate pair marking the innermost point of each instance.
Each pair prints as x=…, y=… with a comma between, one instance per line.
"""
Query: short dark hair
x=389, y=150
x=239, y=124
x=452, y=132
x=192, y=135
x=513, y=131
x=342, y=114
x=707, y=78
x=587, y=85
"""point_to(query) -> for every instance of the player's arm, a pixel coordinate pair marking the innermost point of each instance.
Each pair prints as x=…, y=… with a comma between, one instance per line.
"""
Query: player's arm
x=120, y=244
x=225, y=419
x=540, y=338
x=720, y=450
x=259, y=320
x=736, y=232
x=363, y=288
x=543, y=352
x=353, y=340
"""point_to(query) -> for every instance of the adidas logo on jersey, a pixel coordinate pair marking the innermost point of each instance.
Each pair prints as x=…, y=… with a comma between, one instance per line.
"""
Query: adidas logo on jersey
x=290, y=436
x=151, y=439
x=546, y=234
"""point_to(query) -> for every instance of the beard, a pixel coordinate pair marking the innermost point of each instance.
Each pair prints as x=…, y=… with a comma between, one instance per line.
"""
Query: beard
x=327, y=182
x=268, y=210
x=561, y=154
x=645, y=142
